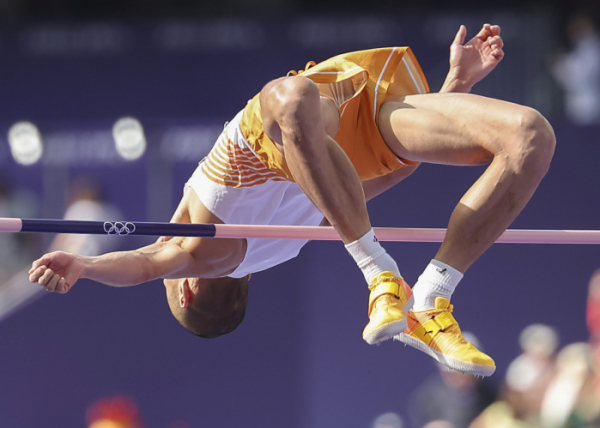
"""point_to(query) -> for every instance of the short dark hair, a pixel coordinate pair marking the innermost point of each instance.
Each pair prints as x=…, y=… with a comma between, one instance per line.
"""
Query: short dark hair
x=218, y=308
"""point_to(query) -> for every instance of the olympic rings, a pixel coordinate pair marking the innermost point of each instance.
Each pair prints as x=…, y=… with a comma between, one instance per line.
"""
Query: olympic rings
x=119, y=228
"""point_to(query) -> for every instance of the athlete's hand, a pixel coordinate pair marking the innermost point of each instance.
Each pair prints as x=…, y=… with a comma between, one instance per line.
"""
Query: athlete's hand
x=57, y=271
x=472, y=61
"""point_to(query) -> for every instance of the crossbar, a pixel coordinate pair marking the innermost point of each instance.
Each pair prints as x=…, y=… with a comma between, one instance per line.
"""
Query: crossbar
x=317, y=233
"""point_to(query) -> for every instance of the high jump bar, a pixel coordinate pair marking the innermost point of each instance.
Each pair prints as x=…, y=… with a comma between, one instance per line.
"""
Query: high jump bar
x=317, y=233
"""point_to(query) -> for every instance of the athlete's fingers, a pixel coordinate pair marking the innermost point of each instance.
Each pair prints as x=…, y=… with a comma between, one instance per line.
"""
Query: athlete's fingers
x=498, y=54
x=459, y=39
x=42, y=261
x=33, y=277
x=495, y=29
x=46, y=276
x=62, y=287
x=484, y=32
x=35, y=274
x=51, y=286
x=496, y=42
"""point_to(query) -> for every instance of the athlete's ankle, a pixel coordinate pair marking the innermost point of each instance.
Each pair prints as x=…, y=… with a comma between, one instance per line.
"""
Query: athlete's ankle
x=437, y=280
x=371, y=257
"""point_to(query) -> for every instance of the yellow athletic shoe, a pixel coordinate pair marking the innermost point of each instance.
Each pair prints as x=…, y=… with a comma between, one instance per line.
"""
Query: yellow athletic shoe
x=389, y=301
x=437, y=333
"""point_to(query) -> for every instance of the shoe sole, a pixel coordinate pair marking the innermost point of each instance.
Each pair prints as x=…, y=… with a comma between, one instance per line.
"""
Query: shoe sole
x=450, y=362
x=389, y=330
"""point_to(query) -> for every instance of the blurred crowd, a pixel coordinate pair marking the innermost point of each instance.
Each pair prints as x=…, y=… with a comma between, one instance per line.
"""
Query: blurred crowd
x=577, y=69
x=546, y=386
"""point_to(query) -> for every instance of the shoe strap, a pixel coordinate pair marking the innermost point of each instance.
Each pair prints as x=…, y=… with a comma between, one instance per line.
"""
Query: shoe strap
x=380, y=289
x=428, y=330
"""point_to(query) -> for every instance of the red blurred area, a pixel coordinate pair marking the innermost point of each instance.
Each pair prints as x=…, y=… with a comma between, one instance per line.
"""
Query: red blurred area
x=114, y=412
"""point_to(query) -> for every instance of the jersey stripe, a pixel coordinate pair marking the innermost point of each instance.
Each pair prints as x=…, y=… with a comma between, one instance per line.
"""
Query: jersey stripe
x=234, y=165
x=410, y=66
x=379, y=82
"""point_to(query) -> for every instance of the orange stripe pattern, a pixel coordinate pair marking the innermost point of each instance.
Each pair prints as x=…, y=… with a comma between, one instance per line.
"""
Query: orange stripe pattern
x=230, y=165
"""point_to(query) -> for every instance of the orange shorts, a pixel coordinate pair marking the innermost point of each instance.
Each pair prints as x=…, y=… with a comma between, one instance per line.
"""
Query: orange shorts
x=372, y=75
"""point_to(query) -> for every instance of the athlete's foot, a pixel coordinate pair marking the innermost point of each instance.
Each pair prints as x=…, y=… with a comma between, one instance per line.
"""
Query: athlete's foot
x=389, y=301
x=437, y=333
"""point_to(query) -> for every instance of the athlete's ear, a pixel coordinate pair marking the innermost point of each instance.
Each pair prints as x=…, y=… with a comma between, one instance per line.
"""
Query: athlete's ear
x=184, y=294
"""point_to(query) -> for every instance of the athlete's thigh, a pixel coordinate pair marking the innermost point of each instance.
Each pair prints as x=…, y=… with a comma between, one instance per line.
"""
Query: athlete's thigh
x=455, y=129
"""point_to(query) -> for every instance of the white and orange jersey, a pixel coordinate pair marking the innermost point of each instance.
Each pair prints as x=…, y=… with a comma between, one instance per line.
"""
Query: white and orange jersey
x=245, y=179
x=358, y=83
x=236, y=187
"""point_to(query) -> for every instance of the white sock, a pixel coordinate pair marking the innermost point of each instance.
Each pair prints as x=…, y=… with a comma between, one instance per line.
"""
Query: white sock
x=371, y=257
x=437, y=280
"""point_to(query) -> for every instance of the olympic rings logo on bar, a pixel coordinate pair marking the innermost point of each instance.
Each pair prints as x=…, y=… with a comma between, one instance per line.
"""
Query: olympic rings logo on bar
x=119, y=228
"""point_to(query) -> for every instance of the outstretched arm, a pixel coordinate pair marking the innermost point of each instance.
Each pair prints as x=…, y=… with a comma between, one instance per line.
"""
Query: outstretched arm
x=59, y=271
x=470, y=62
x=168, y=258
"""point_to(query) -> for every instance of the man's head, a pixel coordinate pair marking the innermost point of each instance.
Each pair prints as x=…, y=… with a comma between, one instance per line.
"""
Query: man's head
x=208, y=307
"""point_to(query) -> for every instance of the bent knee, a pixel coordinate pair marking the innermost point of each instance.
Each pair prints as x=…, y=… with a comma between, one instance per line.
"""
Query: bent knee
x=538, y=133
x=533, y=144
x=291, y=96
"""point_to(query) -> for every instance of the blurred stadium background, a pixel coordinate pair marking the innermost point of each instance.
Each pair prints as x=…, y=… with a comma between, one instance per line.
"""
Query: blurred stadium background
x=161, y=77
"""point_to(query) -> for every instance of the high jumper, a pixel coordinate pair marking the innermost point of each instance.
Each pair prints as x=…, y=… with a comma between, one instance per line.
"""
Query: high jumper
x=311, y=148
